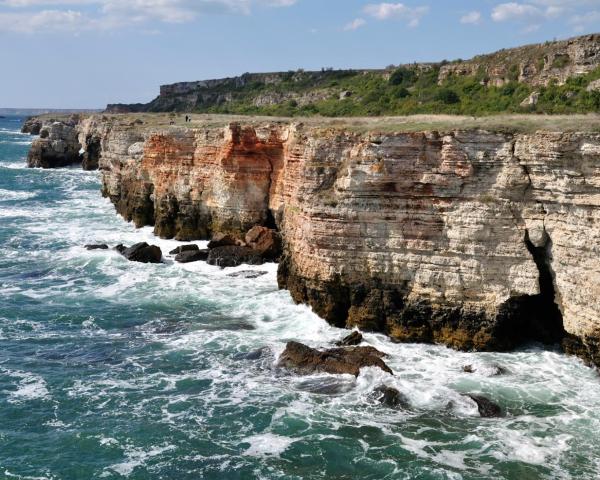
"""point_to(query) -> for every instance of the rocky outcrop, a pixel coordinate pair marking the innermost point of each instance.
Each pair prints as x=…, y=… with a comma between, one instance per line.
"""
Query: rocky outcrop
x=474, y=239
x=532, y=64
x=57, y=146
x=141, y=253
x=33, y=126
x=306, y=360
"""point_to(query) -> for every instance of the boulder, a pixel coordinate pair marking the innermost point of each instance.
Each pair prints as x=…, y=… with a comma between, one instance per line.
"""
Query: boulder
x=100, y=246
x=143, y=253
x=192, y=256
x=305, y=360
x=233, y=256
x=486, y=407
x=120, y=248
x=184, y=248
x=265, y=241
x=223, y=240
x=390, y=397
x=355, y=338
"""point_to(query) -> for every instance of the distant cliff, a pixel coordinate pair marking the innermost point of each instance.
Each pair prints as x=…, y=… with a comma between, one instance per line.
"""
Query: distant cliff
x=474, y=238
x=555, y=77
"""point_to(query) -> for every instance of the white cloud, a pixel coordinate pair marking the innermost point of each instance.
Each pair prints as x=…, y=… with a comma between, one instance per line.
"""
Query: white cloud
x=44, y=21
x=385, y=11
x=355, y=24
x=473, y=18
x=108, y=14
x=514, y=11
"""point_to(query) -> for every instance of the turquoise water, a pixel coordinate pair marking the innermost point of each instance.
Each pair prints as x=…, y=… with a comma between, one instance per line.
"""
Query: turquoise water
x=111, y=369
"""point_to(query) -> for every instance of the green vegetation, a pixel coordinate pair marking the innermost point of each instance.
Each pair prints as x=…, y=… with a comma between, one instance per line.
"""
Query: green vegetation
x=407, y=90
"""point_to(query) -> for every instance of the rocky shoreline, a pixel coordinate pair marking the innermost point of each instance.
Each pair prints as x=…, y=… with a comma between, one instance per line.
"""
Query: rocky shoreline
x=476, y=239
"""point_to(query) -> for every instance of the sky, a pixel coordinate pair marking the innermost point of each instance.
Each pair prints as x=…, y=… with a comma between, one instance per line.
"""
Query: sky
x=88, y=53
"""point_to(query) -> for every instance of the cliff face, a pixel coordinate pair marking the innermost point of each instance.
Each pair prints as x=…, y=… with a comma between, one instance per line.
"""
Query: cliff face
x=474, y=239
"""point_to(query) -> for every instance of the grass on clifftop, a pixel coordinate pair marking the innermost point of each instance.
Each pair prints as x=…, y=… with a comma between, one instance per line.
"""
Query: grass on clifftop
x=408, y=91
x=589, y=123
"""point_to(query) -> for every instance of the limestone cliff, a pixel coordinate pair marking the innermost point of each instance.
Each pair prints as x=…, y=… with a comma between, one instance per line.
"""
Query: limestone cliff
x=478, y=239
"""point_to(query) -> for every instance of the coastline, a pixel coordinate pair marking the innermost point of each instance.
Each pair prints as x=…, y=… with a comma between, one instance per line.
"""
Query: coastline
x=422, y=200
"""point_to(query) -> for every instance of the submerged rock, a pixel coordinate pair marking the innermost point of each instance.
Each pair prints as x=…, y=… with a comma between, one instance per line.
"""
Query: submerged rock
x=249, y=274
x=141, y=252
x=184, y=248
x=326, y=385
x=390, y=397
x=487, y=408
x=192, y=256
x=254, y=354
x=355, y=338
x=306, y=360
x=233, y=256
x=100, y=246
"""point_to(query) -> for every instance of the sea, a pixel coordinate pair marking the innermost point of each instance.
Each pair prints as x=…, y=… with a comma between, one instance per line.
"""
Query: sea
x=118, y=370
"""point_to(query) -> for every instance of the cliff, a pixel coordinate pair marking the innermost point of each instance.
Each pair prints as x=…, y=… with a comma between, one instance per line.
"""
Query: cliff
x=404, y=89
x=477, y=238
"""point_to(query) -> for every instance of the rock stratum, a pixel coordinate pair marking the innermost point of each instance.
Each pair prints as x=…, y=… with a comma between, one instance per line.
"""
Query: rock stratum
x=474, y=238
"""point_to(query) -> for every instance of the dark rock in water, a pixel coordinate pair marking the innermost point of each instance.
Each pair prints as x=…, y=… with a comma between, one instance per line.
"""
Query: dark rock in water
x=100, y=246
x=143, y=253
x=233, y=256
x=254, y=354
x=184, y=248
x=120, y=248
x=306, y=360
x=498, y=370
x=326, y=385
x=487, y=408
x=223, y=240
x=390, y=397
x=265, y=241
x=355, y=338
x=249, y=274
x=192, y=256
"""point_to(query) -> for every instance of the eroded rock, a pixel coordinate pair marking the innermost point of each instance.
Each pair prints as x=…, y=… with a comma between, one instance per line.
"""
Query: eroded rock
x=191, y=256
x=266, y=241
x=390, y=397
x=142, y=253
x=223, y=240
x=355, y=338
x=306, y=360
x=184, y=248
x=486, y=407
x=100, y=246
x=234, y=256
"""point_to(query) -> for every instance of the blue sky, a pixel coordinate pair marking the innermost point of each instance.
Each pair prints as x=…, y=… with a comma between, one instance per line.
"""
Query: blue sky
x=87, y=53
